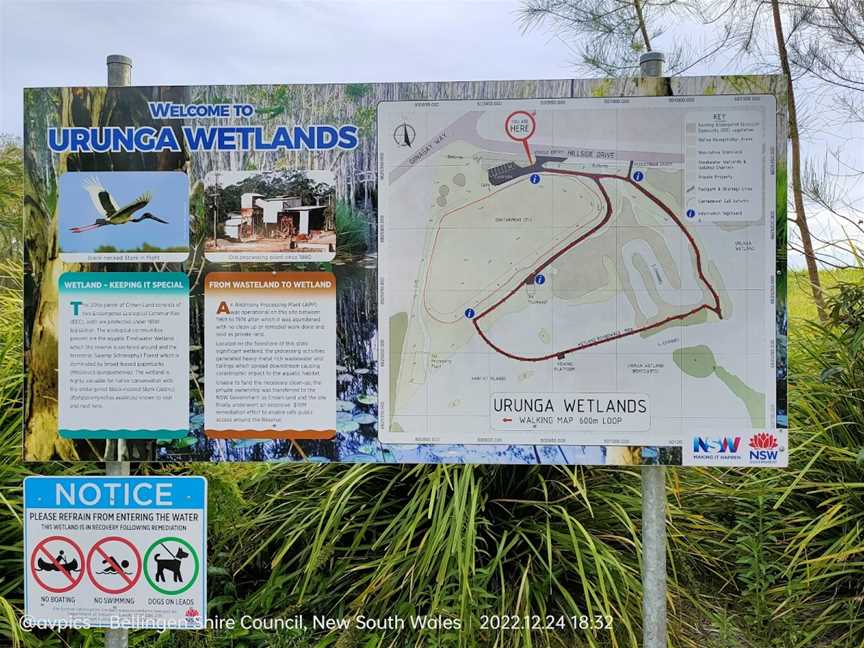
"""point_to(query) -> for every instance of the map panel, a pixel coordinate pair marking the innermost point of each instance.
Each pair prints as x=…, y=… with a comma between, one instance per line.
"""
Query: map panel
x=577, y=271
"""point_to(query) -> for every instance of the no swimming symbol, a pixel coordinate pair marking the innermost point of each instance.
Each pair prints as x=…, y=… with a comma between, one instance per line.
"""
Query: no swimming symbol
x=114, y=565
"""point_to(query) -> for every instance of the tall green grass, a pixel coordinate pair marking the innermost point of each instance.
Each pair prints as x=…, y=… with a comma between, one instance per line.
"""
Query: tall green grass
x=11, y=471
x=11, y=385
x=451, y=540
x=757, y=557
x=801, y=306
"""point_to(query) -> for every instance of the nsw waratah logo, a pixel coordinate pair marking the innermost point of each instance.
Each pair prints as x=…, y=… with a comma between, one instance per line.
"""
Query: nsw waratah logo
x=763, y=441
x=764, y=448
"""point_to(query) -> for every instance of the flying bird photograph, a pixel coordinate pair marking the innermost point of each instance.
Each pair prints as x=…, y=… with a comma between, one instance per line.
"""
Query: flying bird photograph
x=110, y=213
x=124, y=216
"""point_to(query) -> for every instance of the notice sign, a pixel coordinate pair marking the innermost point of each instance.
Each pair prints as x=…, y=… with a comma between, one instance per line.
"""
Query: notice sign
x=124, y=355
x=270, y=355
x=115, y=552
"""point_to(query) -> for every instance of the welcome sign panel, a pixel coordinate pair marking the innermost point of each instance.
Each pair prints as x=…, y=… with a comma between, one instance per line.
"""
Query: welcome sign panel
x=555, y=271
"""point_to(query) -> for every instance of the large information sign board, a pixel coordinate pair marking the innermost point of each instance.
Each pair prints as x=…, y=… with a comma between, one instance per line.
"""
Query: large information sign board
x=115, y=552
x=563, y=271
x=578, y=270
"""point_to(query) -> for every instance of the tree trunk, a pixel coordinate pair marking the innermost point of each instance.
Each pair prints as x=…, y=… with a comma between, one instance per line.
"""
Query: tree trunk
x=643, y=28
x=797, y=194
x=41, y=441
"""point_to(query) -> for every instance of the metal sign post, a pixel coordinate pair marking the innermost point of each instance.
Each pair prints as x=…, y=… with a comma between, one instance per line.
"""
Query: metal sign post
x=119, y=74
x=653, y=499
x=654, y=556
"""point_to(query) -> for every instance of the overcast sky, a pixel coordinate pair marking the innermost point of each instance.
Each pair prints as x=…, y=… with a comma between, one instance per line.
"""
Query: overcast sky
x=267, y=41
x=64, y=42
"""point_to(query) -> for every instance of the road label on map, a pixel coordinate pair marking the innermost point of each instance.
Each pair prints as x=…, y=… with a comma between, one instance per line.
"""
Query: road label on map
x=590, y=274
x=89, y=548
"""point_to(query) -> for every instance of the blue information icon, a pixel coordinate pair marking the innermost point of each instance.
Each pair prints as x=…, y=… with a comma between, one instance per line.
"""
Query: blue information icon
x=535, y=178
x=638, y=176
x=469, y=313
x=539, y=280
x=691, y=213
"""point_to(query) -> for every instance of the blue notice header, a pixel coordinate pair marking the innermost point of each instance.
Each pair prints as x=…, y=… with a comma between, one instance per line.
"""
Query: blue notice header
x=155, y=493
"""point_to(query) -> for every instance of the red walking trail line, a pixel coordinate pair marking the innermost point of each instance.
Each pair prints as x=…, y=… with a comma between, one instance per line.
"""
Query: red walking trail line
x=435, y=245
x=477, y=303
x=596, y=177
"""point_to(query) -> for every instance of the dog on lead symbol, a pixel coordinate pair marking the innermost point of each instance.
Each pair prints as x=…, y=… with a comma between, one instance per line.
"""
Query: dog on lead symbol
x=171, y=564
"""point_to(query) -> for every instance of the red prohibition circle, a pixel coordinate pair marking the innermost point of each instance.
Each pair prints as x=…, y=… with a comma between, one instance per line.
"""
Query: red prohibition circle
x=130, y=582
x=511, y=116
x=60, y=568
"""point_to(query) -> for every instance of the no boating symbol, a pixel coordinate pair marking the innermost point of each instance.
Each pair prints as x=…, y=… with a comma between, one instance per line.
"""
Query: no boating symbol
x=57, y=564
x=114, y=565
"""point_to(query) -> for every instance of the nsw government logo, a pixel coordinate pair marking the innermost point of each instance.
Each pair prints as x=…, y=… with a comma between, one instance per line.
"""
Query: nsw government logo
x=764, y=448
x=716, y=448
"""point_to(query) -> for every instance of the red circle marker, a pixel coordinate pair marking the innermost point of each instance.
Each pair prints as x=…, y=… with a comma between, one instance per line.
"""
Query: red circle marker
x=129, y=580
x=521, y=130
x=61, y=568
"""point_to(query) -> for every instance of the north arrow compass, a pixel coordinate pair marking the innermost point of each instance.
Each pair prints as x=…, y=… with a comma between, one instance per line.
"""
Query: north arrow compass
x=404, y=135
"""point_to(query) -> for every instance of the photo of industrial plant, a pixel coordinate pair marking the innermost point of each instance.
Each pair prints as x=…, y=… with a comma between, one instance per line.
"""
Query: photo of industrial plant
x=286, y=216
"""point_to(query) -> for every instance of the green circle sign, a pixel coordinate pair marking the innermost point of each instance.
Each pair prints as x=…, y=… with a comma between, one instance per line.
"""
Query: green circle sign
x=170, y=566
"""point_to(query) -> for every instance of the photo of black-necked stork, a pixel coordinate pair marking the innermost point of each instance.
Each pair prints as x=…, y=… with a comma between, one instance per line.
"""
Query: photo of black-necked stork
x=147, y=211
x=111, y=213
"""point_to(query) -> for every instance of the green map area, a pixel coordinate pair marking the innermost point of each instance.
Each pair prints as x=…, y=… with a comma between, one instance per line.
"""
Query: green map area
x=699, y=362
